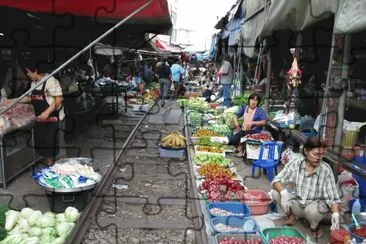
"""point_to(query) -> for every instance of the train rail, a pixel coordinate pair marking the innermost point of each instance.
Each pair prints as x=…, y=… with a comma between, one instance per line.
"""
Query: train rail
x=144, y=198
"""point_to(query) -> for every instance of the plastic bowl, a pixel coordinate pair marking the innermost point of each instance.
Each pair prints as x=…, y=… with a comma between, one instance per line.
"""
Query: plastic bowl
x=272, y=233
x=258, y=201
x=351, y=227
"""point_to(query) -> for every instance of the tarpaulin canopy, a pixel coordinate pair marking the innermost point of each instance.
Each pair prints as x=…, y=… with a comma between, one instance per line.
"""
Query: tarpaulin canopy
x=253, y=24
x=296, y=15
x=66, y=23
x=111, y=10
x=166, y=47
x=351, y=16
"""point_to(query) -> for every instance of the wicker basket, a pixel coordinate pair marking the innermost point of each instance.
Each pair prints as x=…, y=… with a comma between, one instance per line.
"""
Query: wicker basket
x=349, y=138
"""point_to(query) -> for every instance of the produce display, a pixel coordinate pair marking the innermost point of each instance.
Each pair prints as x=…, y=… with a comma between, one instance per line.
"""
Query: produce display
x=205, y=132
x=209, y=149
x=215, y=170
x=259, y=137
x=225, y=228
x=71, y=174
x=206, y=141
x=174, y=140
x=232, y=240
x=198, y=105
x=287, y=240
x=228, y=119
x=203, y=159
x=18, y=116
x=195, y=118
x=32, y=227
x=224, y=213
x=222, y=189
x=221, y=129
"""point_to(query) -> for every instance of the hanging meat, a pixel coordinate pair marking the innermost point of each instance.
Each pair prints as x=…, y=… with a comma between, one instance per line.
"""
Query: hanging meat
x=294, y=74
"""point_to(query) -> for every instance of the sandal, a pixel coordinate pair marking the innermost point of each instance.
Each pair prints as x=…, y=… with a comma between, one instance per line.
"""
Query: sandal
x=317, y=233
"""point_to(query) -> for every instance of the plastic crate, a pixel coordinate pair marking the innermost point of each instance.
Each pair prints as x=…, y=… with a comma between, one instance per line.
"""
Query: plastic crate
x=234, y=222
x=309, y=132
x=172, y=153
x=242, y=237
x=234, y=207
x=258, y=205
x=271, y=233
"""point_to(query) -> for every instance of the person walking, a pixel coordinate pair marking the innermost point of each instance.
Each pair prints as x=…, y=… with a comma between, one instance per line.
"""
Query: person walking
x=164, y=73
x=226, y=74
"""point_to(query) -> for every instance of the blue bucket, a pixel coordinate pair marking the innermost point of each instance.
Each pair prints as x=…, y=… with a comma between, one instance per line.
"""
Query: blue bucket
x=351, y=227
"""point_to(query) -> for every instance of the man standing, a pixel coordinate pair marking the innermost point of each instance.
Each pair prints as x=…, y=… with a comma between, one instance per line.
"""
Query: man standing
x=226, y=75
x=164, y=73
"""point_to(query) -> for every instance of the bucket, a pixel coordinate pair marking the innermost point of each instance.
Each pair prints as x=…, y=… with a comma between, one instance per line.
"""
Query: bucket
x=60, y=201
x=337, y=236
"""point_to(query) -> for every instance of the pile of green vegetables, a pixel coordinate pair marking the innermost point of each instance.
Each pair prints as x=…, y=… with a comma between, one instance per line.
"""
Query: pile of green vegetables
x=203, y=159
x=221, y=129
x=30, y=226
x=195, y=118
x=195, y=104
x=206, y=141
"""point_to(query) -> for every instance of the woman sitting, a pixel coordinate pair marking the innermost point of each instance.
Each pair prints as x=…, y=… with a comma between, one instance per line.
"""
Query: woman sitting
x=254, y=118
x=315, y=196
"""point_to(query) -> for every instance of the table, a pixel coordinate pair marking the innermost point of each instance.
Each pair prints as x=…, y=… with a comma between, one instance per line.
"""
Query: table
x=114, y=90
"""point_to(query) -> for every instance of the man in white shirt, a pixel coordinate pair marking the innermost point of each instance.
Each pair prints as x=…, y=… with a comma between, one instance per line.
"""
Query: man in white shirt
x=226, y=75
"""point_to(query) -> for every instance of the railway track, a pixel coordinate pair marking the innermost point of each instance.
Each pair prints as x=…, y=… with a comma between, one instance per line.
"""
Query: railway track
x=144, y=198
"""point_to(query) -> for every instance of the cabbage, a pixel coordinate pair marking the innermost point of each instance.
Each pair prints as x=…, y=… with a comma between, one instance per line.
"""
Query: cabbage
x=11, y=219
x=50, y=214
x=13, y=239
x=60, y=218
x=33, y=219
x=23, y=225
x=72, y=214
x=30, y=240
x=59, y=240
x=15, y=231
x=47, y=238
x=64, y=229
x=47, y=221
x=49, y=231
x=26, y=212
x=35, y=231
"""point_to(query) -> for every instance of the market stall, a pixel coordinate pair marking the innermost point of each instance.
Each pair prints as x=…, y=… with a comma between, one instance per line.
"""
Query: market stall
x=16, y=141
x=231, y=212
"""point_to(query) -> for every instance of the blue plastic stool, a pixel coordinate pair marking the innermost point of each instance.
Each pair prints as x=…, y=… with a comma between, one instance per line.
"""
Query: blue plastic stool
x=269, y=164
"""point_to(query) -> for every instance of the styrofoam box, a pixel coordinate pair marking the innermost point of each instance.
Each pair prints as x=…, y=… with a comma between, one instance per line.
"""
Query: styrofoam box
x=141, y=107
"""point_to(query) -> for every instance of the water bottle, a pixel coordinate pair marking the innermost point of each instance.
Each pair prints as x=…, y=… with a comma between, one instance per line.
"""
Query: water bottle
x=356, y=208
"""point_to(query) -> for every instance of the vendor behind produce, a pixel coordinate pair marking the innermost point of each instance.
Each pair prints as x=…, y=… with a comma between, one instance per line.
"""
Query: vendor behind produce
x=315, y=195
x=47, y=102
x=254, y=118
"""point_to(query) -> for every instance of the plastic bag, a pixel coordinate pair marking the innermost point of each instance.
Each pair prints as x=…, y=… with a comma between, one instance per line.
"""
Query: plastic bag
x=348, y=189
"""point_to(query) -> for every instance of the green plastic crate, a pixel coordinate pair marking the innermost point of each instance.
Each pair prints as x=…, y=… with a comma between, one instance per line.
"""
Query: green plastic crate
x=271, y=233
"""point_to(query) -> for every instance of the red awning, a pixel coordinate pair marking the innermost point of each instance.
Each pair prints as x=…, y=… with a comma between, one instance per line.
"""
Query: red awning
x=166, y=47
x=116, y=9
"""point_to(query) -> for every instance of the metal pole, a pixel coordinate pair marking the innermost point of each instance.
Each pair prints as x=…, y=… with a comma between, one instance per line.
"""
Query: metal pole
x=342, y=99
x=77, y=55
x=268, y=83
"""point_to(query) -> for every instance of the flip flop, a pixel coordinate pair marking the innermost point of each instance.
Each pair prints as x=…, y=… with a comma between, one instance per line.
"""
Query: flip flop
x=317, y=234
